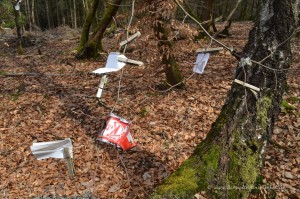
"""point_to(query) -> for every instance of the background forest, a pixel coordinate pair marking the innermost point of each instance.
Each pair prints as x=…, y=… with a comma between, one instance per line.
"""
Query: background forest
x=48, y=14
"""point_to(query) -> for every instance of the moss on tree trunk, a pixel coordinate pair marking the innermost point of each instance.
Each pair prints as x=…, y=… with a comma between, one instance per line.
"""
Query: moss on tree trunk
x=172, y=71
x=161, y=29
x=93, y=44
x=227, y=163
x=87, y=25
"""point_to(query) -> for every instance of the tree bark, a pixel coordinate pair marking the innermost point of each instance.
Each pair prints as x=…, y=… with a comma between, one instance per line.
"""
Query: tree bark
x=32, y=11
x=94, y=44
x=28, y=14
x=161, y=27
x=75, y=14
x=227, y=163
x=48, y=15
x=207, y=13
x=87, y=25
x=36, y=15
x=17, y=21
x=18, y=27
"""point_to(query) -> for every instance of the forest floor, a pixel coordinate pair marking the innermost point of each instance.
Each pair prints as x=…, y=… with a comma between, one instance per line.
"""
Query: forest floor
x=55, y=101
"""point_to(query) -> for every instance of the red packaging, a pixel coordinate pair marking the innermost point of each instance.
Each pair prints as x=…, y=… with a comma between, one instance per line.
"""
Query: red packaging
x=117, y=132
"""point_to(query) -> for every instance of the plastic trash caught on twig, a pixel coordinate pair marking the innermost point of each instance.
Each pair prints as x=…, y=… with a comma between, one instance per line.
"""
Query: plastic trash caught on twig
x=117, y=132
x=201, y=62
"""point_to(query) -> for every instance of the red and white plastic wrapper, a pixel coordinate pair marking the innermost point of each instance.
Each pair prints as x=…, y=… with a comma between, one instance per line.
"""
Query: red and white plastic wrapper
x=117, y=132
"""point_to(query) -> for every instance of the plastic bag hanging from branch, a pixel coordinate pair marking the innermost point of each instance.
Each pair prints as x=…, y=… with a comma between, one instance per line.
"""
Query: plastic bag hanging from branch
x=116, y=62
x=202, y=58
x=112, y=64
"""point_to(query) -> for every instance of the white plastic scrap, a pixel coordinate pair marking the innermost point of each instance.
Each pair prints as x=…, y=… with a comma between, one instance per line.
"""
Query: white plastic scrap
x=54, y=149
x=201, y=62
x=112, y=64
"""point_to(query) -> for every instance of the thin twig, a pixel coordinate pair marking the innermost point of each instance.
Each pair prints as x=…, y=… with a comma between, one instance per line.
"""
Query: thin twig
x=205, y=31
x=229, y=17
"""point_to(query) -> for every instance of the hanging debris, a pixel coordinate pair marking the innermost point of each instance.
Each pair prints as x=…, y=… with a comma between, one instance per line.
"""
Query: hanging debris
x=117, y=132
x=201, y=62
x=202, y=58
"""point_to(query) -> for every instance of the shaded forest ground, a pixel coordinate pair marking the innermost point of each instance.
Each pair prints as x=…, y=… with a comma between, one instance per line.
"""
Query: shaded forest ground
x=56, y=102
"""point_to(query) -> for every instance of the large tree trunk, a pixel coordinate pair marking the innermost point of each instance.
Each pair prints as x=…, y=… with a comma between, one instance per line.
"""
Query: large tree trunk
x=94, y=44
x=161, y=27
x=48, y=14
x=227, y=163
x=32, y=11
x=28, y=15
x=207, y=13
x=75, y=14
x=87, y=25
x=36, y=13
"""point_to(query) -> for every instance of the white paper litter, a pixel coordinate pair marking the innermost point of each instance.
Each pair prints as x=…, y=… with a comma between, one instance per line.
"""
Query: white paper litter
x=54, y=149
x=112, y=64
x=201, y=62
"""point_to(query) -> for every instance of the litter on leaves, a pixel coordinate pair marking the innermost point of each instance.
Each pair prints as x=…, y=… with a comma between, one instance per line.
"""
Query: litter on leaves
x=117, y=132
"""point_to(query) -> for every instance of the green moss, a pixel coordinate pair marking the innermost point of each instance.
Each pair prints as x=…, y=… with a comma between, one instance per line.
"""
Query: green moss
x=249, y=169
x=111, y=30
x=210, y=162
x=3, y=73
x=263, y=106
x=173, y=73
x=181, y=184
x=89, y=51
x=205, y=168
x=295, y=8
x=172, y=69
x=287, y=106
x=259, y=181
x=144, y=111
x=15, y=95
x=46, y=96
x=192, y=176
x=87, y=25
x=293, y=99
x=243, y=170
x=20, y=49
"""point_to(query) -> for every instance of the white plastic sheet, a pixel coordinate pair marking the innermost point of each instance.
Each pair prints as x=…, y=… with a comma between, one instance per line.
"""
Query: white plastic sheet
x=54, y=149
x=201, y=62
x=112, y=64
